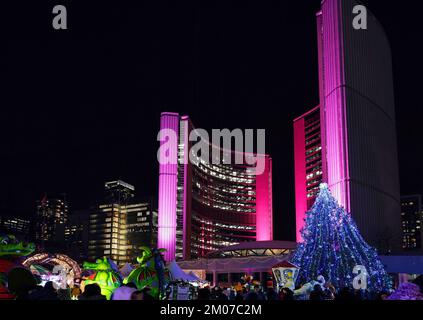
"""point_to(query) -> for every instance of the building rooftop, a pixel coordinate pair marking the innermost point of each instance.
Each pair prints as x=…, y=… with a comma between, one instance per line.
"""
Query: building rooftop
x=256, y=248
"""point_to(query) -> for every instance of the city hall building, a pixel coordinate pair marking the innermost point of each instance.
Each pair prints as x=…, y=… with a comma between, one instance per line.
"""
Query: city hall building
x=204, y=207
x=349, y=141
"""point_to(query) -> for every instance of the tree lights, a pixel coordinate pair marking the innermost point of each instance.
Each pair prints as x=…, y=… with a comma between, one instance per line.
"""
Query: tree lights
x=332, y=246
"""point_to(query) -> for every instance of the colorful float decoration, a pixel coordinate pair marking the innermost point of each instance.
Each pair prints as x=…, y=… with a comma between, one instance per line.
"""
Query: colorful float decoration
x=59, y=268
x=150, y=273
x=285, y=274
x=104, y=275
x=11, y=252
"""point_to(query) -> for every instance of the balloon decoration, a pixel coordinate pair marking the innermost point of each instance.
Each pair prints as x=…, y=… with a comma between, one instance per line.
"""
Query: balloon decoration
x=104, y=275
x=11, y=251
x=150, y=273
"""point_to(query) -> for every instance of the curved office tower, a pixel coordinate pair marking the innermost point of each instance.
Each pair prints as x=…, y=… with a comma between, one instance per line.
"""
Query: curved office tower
x=358, y=130
x=203, y=206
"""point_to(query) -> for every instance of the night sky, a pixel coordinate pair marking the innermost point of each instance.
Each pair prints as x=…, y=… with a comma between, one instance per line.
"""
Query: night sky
x=81, y=106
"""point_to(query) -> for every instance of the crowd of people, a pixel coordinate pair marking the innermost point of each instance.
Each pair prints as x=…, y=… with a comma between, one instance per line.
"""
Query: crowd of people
x=254, y=293
x=319, y=292
x=24, y=286
x=285, y=294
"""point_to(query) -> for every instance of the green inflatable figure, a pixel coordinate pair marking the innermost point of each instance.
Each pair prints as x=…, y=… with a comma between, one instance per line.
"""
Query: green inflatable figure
x=11, y=250
x=150, y=273
x=105, y=276
x=10, y=247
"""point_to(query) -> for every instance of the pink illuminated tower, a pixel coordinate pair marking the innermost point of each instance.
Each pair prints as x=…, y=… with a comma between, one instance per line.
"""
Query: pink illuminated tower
x=357, y=118
x=308, y=164
x=203, y=206
x=168, y=181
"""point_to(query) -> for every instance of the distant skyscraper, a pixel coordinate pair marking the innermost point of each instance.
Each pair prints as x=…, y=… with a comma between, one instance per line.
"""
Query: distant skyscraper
x=76, y=235
x=108, y=232
x=204, y=206
x=50, y=219
x=15, y=225
x=412, y=217
x=357, y=119
x=121, y=224
x=141, y=224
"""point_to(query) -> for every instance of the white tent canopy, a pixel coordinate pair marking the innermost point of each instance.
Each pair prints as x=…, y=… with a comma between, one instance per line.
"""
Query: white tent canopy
x=126, y=270
x=192, y=274
x=178, y=274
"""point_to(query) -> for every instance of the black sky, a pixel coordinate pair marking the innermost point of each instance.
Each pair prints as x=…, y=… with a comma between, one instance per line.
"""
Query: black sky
x=82, y=106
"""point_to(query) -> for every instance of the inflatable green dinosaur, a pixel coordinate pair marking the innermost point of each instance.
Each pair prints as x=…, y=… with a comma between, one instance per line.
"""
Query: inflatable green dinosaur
x=11, y=250
x=9, y=246
x=104, y=276
x=150, y=273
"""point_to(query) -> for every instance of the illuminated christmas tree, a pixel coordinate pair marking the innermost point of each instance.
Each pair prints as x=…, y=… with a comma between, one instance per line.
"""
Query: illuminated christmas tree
x=332, y=246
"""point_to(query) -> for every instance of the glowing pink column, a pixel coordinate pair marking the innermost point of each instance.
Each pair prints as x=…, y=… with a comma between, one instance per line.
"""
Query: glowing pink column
x=168, y=183
x=335, y=141
x=264, y=203
x=300, y=176
x=186, y=211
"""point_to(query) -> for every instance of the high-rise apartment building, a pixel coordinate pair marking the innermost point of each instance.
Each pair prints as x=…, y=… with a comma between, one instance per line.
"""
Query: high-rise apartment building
x=412, y=218
x=107, y=231
x=76, y=235
x=121, y=224
x=15, y=225
x=141, y=224
x=50, y=218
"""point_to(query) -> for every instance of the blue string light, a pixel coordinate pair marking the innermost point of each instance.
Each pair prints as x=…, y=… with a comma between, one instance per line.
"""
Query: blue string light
x=332, y=246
